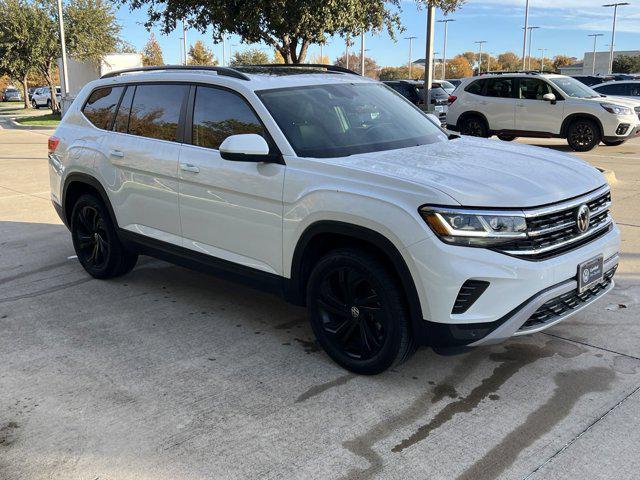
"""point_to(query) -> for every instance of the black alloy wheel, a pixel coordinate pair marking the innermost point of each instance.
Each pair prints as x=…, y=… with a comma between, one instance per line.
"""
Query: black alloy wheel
x=34, y=104
x=96, y=243
x=357, y=312
x=583, y=135
x=474, y=126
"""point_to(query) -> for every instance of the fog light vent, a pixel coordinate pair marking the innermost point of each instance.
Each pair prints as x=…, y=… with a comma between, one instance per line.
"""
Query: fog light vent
x=622, y=129
x=469, y=293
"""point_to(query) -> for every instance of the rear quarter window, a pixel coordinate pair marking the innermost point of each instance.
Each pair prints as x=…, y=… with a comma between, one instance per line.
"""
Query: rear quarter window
x=101, y=105
x=475, y=87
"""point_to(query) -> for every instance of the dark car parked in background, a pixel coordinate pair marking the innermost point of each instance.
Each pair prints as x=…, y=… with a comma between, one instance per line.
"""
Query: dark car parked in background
x=623, y=88
x=590, y=80
x=413, y=90
x=11, y=94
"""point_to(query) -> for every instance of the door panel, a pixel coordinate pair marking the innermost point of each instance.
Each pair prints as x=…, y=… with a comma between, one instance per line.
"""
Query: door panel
x=498, y=104
x=141, y=166
x=534, y=114
x=231, y=210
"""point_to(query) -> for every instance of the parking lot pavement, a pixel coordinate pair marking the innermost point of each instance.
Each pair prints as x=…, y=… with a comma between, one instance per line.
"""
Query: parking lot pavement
x=169, y=374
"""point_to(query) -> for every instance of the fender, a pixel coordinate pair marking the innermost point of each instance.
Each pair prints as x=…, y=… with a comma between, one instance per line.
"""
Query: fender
x=567, y=121
x=295, y=287
x=83, y=178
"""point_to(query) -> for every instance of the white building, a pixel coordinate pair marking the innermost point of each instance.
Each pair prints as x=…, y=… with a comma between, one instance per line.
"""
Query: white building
x=601, y=63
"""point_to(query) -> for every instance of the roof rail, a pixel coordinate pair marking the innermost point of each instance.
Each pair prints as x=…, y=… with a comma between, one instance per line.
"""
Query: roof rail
x=328, y=68
x=507, y=72
x=226, y=71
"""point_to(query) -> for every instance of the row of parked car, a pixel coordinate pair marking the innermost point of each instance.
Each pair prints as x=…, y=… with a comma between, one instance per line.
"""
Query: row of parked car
x=532, y=104
x=38, y=96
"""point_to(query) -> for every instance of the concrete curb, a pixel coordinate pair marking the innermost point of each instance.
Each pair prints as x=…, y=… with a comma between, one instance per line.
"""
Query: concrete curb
x=16, y=125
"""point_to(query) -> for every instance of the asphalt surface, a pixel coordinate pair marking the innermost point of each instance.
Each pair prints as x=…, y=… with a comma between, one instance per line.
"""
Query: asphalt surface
x=169, y=374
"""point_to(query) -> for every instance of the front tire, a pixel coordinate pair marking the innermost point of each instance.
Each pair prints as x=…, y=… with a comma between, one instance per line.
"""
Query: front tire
x=507, y=138
x=34, y=104
x=358, y=312
x=474, y=126
x=95, y=241
x=583, y=135
x=612, y=143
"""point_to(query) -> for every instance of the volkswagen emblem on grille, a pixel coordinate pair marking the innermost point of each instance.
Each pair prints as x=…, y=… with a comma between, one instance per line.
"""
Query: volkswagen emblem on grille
x=582, y=218
x=355, y=312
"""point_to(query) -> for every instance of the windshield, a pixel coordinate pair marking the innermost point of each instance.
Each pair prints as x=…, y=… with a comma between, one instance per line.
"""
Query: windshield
x=574, y=88
x=341, y=120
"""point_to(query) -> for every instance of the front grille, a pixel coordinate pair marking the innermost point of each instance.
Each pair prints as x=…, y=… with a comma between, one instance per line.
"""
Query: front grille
x=552, y=231
x=637, y=109
x=558, y=307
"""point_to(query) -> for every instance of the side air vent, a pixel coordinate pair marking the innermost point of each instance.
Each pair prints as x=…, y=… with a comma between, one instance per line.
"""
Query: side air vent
x=469, y=293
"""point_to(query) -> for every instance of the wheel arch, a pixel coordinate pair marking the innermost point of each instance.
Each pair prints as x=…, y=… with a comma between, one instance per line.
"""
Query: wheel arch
x=323, y=236
x=577, y=116
x=473, y=113
x=77, y=184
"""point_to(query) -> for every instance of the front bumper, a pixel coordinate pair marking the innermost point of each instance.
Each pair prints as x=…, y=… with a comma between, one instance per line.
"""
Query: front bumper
x=517, y=287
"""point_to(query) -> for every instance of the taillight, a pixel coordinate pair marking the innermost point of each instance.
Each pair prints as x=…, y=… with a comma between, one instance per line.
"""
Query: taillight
x=452, y=98
x=52, y=144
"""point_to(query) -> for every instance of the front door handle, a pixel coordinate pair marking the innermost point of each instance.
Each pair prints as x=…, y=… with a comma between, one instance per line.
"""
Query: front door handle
x=188, y=167
x=116, y=153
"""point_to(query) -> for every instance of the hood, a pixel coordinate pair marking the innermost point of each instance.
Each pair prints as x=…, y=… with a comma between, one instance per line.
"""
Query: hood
x=484, y=173
x=624, y=101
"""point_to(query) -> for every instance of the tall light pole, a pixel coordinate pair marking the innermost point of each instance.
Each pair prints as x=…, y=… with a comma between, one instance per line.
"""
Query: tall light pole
x=224, y=52
x=346, y=52
x=524, y=40
x=428, y=54
x=65, y=71
x=444, y=47
x=595, y=39
x=411, y=39
x=542, y=58
x=184, y=41
x=613, y=31
x=531, y=29
x=362, y=53
x=480, y=43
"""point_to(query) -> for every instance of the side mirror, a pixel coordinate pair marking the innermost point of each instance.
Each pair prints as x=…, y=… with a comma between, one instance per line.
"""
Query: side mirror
x=247, y=147
x=549, y=97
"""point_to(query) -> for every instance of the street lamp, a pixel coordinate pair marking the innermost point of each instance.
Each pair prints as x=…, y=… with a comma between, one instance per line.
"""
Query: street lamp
x=444, y=47
x=524, y=40
x=184, y=41
x=480, y=43
x=595, y=38
x=613, y=31
x=542, y=59
x=531, y=29
x=411, y=39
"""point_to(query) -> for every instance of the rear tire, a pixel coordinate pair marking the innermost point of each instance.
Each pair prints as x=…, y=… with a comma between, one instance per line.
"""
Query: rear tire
x=474, y=126
x=614, y=143
x=583, y=135
x=96, y=242
x=49, y=104
x=358, y=312
x=507, y=138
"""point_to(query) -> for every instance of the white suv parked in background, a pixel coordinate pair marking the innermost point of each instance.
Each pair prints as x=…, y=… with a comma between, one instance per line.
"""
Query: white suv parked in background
x=339, y=194
x=514, y=105
x=42, y=97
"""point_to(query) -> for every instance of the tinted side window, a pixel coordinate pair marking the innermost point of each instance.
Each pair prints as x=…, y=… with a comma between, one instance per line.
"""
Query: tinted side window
x=533, y=88
x=635, y=89
x=218, y=114
x=101, y=106
x=613, y=89
x=475, y=87
x=122, y=117
x=500, y=87
x=155, y=111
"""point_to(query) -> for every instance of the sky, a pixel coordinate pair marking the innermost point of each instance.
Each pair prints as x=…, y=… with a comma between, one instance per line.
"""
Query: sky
x=564, y=29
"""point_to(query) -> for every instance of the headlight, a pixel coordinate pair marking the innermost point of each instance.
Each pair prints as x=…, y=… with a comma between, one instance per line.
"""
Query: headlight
x=616, y=109
x=469, y=228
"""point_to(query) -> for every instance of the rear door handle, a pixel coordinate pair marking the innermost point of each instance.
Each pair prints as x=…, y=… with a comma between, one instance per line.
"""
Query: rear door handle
x=116, y=153
x=188, y=167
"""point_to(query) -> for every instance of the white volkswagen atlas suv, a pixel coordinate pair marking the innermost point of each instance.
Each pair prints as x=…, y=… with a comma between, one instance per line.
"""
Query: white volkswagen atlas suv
x=337, y=193
x=529, y=104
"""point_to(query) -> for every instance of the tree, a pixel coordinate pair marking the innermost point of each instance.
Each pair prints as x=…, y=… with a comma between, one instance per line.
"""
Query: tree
x=472, y=57
x=401, y=73
x=251, y=56
x=320, y=60
x=15, y=46
x=152, y=53
x=561, y=61
x=626, y=64
x=509, y=62
x=370, y=65
x=458, y=67
x=288, y=26
x=199, y=54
